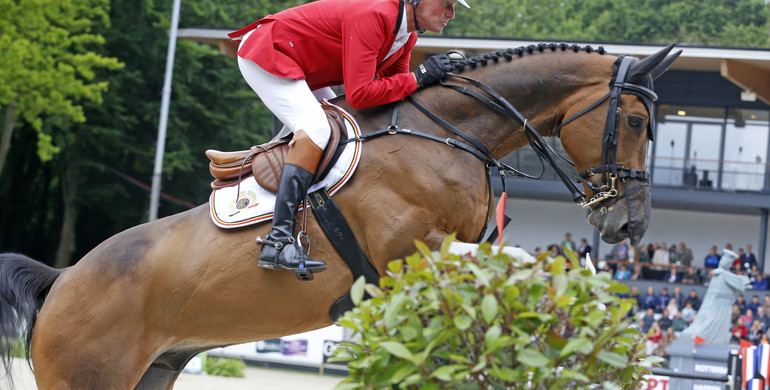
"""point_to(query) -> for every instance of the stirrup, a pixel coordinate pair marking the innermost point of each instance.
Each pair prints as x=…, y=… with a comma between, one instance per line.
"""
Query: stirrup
x=300, y=258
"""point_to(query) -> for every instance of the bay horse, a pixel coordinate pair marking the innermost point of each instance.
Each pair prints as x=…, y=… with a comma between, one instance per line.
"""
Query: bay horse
x=134, y=310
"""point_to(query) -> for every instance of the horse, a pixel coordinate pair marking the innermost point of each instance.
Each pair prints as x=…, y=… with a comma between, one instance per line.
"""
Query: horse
x=135, y=309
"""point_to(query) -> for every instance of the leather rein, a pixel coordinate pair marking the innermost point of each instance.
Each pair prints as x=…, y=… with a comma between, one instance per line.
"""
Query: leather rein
x=609, y=169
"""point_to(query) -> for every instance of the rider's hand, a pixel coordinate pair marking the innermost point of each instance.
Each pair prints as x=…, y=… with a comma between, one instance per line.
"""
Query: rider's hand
x=434, y=69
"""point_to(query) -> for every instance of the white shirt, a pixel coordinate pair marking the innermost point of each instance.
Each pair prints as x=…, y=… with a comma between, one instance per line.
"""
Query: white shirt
x=401, y=37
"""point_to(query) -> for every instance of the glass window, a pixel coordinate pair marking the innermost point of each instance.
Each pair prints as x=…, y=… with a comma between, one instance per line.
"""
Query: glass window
x=745, y=158
x=687, y=146
x=669, y=158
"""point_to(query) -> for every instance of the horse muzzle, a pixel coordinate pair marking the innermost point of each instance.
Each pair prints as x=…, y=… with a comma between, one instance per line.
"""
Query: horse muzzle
x=626, y=216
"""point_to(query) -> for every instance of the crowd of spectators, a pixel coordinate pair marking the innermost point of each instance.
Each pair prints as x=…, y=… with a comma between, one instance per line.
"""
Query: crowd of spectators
x=674, y=264
x=664, y=314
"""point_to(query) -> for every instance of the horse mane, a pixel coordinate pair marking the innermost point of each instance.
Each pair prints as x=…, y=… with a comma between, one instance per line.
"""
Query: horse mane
x=508, y=54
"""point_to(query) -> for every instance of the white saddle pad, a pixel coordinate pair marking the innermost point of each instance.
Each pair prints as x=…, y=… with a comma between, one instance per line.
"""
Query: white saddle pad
x=254, y=204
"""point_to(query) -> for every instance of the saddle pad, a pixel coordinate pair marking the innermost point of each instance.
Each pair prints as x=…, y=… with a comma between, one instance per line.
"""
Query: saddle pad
x=257, y=204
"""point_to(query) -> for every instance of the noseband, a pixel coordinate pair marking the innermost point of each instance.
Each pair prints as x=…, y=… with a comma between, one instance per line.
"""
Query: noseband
x=609, y=169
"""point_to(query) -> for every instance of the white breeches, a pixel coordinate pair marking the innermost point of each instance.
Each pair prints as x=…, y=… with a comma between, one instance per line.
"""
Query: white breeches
x=290, y=100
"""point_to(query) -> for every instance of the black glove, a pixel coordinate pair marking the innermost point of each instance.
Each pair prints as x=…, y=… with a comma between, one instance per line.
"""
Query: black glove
x=434, y=69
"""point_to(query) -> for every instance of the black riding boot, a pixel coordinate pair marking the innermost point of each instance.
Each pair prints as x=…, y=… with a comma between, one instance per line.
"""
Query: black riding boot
x=279, y=248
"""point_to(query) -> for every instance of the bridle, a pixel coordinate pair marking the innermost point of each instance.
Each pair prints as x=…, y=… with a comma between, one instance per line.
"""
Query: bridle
x=609, y=169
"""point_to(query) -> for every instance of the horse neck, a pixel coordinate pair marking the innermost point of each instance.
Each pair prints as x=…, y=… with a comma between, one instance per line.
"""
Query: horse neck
x=544, y=87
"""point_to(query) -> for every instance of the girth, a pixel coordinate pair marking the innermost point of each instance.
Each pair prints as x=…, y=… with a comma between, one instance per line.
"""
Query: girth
x=266, y=161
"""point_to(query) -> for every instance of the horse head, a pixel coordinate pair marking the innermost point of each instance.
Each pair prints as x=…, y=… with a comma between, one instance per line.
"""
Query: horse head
x=612, y=162
x=601, y=107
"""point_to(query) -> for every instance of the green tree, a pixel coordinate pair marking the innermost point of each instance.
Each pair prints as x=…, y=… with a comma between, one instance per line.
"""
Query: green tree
x=48, y=65
x=703, y=22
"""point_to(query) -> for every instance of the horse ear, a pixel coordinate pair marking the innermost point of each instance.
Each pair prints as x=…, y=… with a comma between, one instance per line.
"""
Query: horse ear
x=663, y=66
x=647, y=65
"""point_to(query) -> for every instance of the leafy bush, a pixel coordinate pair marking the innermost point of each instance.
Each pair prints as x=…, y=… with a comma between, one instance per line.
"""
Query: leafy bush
x=441, y=321
x=224, y=367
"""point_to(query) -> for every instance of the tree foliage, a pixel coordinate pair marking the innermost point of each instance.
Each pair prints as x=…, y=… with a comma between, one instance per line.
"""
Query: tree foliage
x=48, y=67
x=704, y=22
x=490, y=321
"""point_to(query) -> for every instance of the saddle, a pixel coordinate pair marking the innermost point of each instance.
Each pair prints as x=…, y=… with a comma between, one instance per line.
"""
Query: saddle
x=266, y=161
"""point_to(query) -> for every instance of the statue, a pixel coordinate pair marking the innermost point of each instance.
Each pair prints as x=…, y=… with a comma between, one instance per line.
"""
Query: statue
x=713, y=320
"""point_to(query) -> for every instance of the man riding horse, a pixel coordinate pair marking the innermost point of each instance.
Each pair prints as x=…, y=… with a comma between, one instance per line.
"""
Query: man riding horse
x=291, y=59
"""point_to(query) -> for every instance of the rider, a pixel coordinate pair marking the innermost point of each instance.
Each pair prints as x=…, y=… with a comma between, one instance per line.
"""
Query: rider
x=291, y=59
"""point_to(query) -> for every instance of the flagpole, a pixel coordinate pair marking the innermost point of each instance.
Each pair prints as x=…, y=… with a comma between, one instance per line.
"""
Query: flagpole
x=160, y=147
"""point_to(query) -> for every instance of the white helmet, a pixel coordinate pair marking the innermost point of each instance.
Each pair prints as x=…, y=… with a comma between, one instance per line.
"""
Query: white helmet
x=463, y=2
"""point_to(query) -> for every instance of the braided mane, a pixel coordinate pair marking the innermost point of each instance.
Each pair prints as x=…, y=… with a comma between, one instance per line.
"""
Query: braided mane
x=473, y=62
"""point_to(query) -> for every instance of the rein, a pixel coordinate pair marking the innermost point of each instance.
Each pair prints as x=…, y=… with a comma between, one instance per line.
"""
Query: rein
x=609, y=168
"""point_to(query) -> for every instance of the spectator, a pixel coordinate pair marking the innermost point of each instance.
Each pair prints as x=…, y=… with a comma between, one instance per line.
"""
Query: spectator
x=762, y=318
x=759, y=283
x=679, y=297
x=712, y=259
x=764, y=339
x=748, y=257
x=641, y=324
x=654, y=335
x=754, y=332
x=584, y=249
x=672, y=276
x=683, y=255
x=619, y=251
x=672, y=308
x=634, y=294
x=622, y=273
x=693, y=299
x=554, y=251
x=741, y=302
x=736, y=313
x=663, y=299
x=568, y=243
x=679, y=323
x=672, y=254
x=739, y=332
x=637, y=274
x=747, y=316
x=691, y=276
x=645, y=254
x=650, y=301
x=688, y=312
x=745, y=266
x=660, y=257
x=754, y=304
x=649, y=319
x=668, y=337
x=537, y=252
x=665, y=321
x=753, y=272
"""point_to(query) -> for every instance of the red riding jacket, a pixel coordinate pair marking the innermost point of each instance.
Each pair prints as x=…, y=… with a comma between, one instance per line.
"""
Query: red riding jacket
x=334, y=42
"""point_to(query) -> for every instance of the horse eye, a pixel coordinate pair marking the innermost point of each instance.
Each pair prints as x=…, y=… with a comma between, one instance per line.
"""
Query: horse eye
x=635, y=122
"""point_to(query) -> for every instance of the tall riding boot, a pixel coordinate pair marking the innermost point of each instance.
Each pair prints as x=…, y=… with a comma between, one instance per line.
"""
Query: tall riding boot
x=280, y=249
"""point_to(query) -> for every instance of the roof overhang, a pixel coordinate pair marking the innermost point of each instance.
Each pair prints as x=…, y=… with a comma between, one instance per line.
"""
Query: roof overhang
x=748, y=68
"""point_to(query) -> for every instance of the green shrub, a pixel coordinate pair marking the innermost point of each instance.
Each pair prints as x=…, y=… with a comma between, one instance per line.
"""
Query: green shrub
x=440, y=321
x=224, y=367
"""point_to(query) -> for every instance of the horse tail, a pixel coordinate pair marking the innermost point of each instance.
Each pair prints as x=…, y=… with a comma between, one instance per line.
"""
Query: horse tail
x=24, y=284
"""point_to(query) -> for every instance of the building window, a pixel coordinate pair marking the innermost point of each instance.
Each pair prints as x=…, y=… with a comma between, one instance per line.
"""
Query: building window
x=711, y=148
